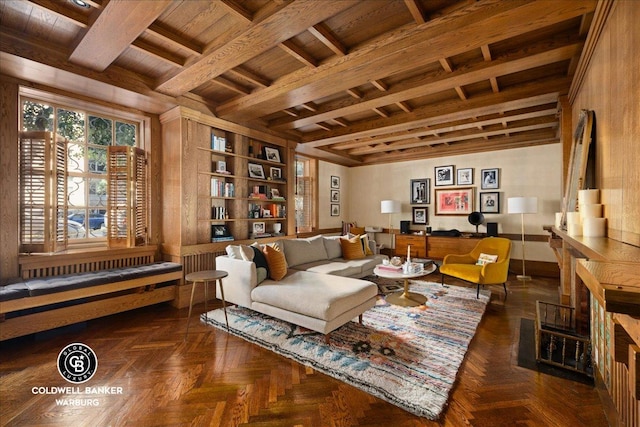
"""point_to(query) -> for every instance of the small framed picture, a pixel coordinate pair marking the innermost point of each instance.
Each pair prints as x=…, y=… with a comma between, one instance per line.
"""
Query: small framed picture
x=272, y=154
x=335, y=181
x=219, y=231
x=490, y=202
x=256, y=171
x=420, y=215
x=275, y=173
x=258, y=228
x=335, y=196
x=490, y=178
x=444, y=175
x=420, y=191
x=335, y=210
x=465, y=176
x=275, y=193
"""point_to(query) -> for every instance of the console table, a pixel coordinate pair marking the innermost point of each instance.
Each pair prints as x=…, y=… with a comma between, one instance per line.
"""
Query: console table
x=433, y=247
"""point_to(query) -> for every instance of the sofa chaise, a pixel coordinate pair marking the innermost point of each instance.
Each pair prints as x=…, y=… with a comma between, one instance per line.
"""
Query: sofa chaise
x=321, y=289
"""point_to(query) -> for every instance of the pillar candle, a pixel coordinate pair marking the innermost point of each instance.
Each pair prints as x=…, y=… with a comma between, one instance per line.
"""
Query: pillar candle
x=594, y=227
x=408, y=253
x=588, y=197
x=574, y=229
x=590, y=211
x=573, y=218
x=558, y=223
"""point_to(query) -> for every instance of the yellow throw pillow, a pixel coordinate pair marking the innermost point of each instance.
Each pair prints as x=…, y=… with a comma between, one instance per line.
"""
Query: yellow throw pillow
x=356, y=230
x=351, y=248
x=276, y=261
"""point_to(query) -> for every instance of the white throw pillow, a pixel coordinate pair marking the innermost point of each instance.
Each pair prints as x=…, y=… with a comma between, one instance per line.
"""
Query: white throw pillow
x=486, y=259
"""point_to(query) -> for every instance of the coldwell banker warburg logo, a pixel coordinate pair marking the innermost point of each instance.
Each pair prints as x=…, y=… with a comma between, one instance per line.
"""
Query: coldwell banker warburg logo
x=77, y=363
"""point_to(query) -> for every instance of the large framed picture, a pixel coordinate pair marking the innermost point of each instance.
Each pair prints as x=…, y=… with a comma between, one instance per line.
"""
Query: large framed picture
x=272, y=154
x=256, y=171
x=420, y=191
x=465, y=176
x=420, y=215
x=490, y=179
x=444, y=175
x=454, y=201
x=490, y=202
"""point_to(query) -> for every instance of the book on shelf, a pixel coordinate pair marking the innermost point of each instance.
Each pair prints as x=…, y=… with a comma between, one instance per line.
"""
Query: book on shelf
x=221, y=188
x=218, y=143
x=222, y=239
x=259, y=235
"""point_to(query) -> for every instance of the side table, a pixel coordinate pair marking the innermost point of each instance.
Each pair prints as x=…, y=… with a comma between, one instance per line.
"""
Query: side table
x=205, y=277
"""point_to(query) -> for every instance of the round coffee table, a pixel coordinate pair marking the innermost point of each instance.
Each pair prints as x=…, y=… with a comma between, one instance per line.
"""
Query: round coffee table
x=404, y=298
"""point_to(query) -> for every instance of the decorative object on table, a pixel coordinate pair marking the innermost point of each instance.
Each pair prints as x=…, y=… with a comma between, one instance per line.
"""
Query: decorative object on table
x=335, y=196
x=522, y=205
x=490, y=202
x=444, y=175
x=335, y=210
x=454, y=201
x=396, y=261
x=420, y=215
x=335, y=182
x=272, y=154
x=465, y=176
x=256, y=171
x=420, y=191
x=475, y=218
x=490, y=179
x=414, y=374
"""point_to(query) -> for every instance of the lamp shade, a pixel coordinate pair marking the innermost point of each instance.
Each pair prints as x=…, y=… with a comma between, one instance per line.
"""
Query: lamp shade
x=522, y=205
x=390, y=206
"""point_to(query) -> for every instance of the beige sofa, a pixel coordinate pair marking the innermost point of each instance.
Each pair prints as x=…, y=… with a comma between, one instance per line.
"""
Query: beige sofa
x=321, y=290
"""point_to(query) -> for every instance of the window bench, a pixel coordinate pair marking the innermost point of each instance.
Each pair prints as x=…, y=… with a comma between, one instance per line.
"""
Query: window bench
x=62, y=289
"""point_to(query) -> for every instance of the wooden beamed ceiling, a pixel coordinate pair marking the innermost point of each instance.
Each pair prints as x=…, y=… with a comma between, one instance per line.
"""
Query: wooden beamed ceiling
x=354, y=82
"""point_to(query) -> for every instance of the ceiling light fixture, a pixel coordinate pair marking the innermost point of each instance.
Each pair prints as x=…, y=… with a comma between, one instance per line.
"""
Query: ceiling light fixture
x=80, y=3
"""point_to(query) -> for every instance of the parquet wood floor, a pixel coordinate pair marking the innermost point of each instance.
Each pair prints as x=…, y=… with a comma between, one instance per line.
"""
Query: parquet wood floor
x=215, y=379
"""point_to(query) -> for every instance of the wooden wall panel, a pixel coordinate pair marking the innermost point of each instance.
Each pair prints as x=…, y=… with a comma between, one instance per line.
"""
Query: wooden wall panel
x=8, y=180
x=171, y=182
x=611, y=88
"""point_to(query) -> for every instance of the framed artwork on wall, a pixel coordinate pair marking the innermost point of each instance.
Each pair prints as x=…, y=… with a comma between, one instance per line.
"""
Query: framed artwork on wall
x=335, y=182
x=420, y=215
x=444, y=175
x=335, y=210
x=465, y=176
x=420, y=191
x=335, y=196
x=490, y=202
x=490, y=179
x=454, y=201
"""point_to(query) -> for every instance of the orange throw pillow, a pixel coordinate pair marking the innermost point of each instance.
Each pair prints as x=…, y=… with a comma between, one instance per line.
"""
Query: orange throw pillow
x=351, y=248
x=276, y=261
x=356, y=230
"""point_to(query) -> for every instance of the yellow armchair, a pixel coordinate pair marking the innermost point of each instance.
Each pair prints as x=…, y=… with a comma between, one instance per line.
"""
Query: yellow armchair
x=466, y=267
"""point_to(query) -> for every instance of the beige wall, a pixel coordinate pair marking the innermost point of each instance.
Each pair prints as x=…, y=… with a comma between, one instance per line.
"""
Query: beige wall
x=325, y=171
x=532, y=171
x=611, y=89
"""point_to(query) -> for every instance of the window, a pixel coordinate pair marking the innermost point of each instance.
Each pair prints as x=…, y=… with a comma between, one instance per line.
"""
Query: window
x=304, y=198
x=88, y=135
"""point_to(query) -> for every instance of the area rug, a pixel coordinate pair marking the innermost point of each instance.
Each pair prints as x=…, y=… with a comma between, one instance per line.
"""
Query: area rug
x=407, y=356
x=527, y=356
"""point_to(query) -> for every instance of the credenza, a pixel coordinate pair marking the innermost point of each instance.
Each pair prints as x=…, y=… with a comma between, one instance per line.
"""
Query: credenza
x=433, y=247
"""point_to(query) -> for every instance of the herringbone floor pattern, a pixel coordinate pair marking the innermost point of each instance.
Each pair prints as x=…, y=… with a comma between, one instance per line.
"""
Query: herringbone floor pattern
x=214, y=379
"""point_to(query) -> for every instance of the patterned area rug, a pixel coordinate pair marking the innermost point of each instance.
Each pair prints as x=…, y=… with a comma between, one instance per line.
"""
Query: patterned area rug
x=407, y=356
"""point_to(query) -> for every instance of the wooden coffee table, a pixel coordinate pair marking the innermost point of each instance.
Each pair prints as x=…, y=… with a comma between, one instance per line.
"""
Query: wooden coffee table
x=405, y=298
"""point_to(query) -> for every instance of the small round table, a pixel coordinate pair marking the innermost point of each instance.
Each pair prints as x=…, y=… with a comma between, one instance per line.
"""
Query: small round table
x=205, y=277
x=404, y=298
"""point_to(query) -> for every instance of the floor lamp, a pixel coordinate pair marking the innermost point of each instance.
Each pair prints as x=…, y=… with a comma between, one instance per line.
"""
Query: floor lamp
x=522, y=205
x=390, y=207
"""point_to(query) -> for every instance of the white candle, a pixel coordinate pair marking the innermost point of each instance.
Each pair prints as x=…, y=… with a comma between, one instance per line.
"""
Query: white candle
x=594, y=227
x=574, y=229
x=573, y=218
x=558, y=219
x=588, y=197
x=408, y=253
x=590, y=211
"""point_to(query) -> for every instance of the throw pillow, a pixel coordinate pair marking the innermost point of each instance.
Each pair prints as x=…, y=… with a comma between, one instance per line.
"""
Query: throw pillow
x=332, y=245
x=356, y=230
x=262, y=268
x=276, y=262
x=486, y=259
x=364, y=239
x=352, y=248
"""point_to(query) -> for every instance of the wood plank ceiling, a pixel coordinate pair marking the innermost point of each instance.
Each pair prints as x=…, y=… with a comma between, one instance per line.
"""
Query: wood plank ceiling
x=355, y=82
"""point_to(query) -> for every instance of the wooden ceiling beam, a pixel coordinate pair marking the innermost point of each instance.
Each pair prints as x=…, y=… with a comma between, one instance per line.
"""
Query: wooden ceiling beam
x=168, y=36
x=404, y=106
x=328, y=38
x=415, y=8
x=465, y=29
x=250, y=76
x=431, y=84
x=59, y=10
x=298, y=53
x=130, y=17
x=380, y=85
x=231, y=85
x=163, y=55
x=238, y=10
x=288, y=21
x=539, y=92
x=354, y=93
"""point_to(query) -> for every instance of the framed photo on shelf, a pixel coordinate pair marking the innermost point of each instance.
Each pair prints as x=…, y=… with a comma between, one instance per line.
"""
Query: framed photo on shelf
x=420, y=191
x=420, y=215
x=335, y=210
x=220, y=231
x=272, y=154
x=275, y=173
x=275, y=193
x=454, y=201
x=465, y=176
x=490, y=202
x=258, y=228
x=221, y=166
x=444, y=175
x=490, y=178
x=256, y=171
x=335, y=182
x=335, y=196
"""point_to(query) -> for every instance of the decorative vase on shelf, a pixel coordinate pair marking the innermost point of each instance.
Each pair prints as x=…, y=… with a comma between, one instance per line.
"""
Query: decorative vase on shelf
x=277, y=228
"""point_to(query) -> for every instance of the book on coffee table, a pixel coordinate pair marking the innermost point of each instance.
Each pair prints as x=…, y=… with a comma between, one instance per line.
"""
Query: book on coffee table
x=390, y=268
